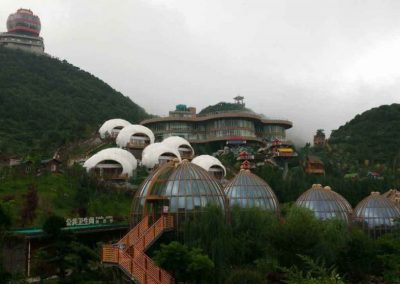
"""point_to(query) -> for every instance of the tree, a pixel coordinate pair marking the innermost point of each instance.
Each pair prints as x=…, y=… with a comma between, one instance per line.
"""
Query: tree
x=53, y=225
x=29, y=209
x=210, y=232
x=5, y=223
x=244, y=276
x=251, y=228
x=298, y=235
x=358, y=259
x=316, y=273
x=184, y=263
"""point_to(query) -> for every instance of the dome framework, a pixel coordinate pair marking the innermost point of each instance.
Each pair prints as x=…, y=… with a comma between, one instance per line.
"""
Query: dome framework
x=325, y=203
x=247, y=190
x=184, y=187
x=376, y=214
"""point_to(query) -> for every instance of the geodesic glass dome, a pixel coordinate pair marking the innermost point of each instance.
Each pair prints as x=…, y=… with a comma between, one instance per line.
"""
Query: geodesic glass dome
x=247, y=190
x=184, y=187
x=394, y=196
x=325, y=203
x=376, y=214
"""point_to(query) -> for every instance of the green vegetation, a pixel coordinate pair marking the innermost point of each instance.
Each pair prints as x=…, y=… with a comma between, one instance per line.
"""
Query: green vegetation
x=64, y=252
x=46, y=103
x=254, y=246
x=223, y=106
x=370, y=139
x=71, y=194
x=185, y=263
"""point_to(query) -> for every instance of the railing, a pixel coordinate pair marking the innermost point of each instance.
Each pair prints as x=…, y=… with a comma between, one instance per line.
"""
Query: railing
x=162, y=224
x=129, y=254
x=133, y=235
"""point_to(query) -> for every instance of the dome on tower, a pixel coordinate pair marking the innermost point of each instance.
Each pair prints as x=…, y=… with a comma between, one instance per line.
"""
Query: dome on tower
x=325, y=203
x=376, y=214
x=184, y=187
x=24, y=22
x=248, y=190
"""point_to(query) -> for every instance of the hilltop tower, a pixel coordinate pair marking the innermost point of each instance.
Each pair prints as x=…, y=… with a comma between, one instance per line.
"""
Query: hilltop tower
x=23, y=30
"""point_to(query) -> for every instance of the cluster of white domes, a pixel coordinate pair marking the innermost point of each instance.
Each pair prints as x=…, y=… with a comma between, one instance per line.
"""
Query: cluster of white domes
x=124, y=133
x=127, y=161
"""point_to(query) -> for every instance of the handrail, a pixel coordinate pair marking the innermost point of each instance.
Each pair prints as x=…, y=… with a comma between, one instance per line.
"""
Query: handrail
x=135, y=262
x=135, y=233
x=163, y=223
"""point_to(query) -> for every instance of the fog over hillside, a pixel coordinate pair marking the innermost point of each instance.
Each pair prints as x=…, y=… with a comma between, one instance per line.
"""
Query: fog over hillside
x=316, y=63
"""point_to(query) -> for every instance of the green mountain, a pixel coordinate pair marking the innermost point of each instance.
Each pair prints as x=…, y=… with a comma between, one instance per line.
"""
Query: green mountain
x=45, y=103
x=222, y=106
x=372, y=136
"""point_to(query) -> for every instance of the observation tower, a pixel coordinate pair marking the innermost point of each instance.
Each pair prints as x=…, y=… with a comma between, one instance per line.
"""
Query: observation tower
x=23, y=32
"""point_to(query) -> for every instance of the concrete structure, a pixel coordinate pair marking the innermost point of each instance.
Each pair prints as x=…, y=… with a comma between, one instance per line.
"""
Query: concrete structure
x=23, y=30
x=223, y=127
x=157, y=154
x=211, y=164
x=112, y=127
x=182, y=145
x=112, y=164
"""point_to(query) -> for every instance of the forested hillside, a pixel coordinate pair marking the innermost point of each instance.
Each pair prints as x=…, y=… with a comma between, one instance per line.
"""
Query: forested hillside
x=370, y=137
x=45, y=103
x=222, y=106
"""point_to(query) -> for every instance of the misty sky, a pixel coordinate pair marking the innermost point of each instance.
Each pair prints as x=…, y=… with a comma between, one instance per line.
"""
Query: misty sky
x=316, y=63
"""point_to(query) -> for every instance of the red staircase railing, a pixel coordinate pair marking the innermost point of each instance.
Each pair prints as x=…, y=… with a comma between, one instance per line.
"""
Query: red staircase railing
x=131, y=237
x=129, y=254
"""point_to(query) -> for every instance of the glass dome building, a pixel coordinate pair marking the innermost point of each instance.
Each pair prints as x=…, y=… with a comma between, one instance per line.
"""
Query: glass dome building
x=184, y=187
x=247, y=190
x=376, y=214
x=394, y=196
x=325, y=203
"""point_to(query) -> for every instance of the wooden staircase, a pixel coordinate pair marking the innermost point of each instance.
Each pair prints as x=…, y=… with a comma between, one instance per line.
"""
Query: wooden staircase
x=129, y=253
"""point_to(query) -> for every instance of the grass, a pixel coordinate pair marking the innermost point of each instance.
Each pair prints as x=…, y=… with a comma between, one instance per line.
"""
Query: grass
x=58, y=194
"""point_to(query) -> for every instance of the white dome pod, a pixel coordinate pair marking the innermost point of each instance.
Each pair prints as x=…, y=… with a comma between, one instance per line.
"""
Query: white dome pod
x=112, y=127
x=181, y=144
x=209, y=163
x=157, y=153
x=127, y=161
x=134, y=132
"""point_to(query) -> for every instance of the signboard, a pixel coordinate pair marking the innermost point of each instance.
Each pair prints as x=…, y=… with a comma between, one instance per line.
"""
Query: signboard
x=89, y=221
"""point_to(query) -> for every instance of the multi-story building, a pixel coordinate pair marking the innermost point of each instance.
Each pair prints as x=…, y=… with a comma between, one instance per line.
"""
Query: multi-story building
x=23, y=29
x=224, y=127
